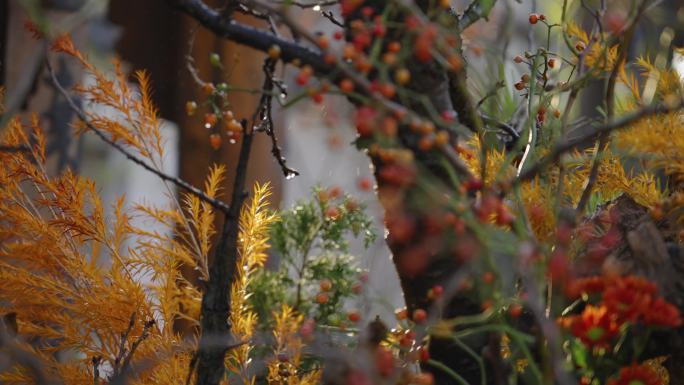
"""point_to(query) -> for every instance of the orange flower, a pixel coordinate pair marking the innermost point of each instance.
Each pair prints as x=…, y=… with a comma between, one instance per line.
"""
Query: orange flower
x=596, y=326
x=662, y=313
x=636, y=375
x=629, y=297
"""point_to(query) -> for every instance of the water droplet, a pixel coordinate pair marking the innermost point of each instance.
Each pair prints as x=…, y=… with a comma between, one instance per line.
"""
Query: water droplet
x=290, y=175
x=317, y=8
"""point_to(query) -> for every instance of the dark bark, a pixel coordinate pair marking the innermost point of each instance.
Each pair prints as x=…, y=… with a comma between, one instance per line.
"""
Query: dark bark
x=216, y=330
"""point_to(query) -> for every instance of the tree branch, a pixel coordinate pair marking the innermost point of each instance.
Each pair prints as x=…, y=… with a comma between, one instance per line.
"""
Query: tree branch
x=249, y=36
x=216, y=303
x=570, y=144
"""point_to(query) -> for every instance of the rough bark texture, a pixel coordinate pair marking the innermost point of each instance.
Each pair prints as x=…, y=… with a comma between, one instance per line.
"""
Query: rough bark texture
x=434, y=249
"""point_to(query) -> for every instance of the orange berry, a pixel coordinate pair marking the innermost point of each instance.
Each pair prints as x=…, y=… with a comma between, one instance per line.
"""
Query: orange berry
x=426, y=143
x=208, y=88
x=209, y=120
x=402, y=76
x=215, y=141
x=518, y=59
x=274, y=51
x=394, y=47
x=534, y=18
x=346, y=86
x=390, y=59
x=401, y=314
x=441, y=138
x=552, y=63
x=387, y=90
x=190, y=108
x=233, y=125
x=325, y=285
x=323, y=42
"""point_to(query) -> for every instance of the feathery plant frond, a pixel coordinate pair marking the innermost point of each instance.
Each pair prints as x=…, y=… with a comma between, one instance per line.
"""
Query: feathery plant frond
x=284, y=366
x=255, y=221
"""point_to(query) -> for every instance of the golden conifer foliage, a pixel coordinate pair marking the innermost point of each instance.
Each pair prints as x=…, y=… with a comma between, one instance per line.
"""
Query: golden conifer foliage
x=283, y=369
x=92, y=290
x=255, y=219
x=82, y=287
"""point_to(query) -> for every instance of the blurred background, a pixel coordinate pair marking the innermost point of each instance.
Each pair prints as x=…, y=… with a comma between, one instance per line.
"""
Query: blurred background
x=316, y=137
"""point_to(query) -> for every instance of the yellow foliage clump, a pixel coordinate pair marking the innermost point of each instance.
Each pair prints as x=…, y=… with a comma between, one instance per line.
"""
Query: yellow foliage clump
x=96, y=296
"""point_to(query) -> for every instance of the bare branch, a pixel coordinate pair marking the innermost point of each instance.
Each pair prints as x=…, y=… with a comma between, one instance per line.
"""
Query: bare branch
x=249, y=36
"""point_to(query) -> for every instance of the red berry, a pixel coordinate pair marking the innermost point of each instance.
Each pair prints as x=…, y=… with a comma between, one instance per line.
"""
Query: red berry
x=424, y=354
x=534, y=18
x=354, y=316
x=488, y=277
x=322, y=298
x=515, y=310
x=332, y=213
x=365, y=184
x=419, y=316
x=384, y=362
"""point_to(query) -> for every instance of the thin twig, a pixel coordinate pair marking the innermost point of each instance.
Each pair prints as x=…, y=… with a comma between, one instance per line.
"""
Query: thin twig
x=122, y=343
x=178, y=182
x=143, y=336
x=330, y=16
x=265, y=115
